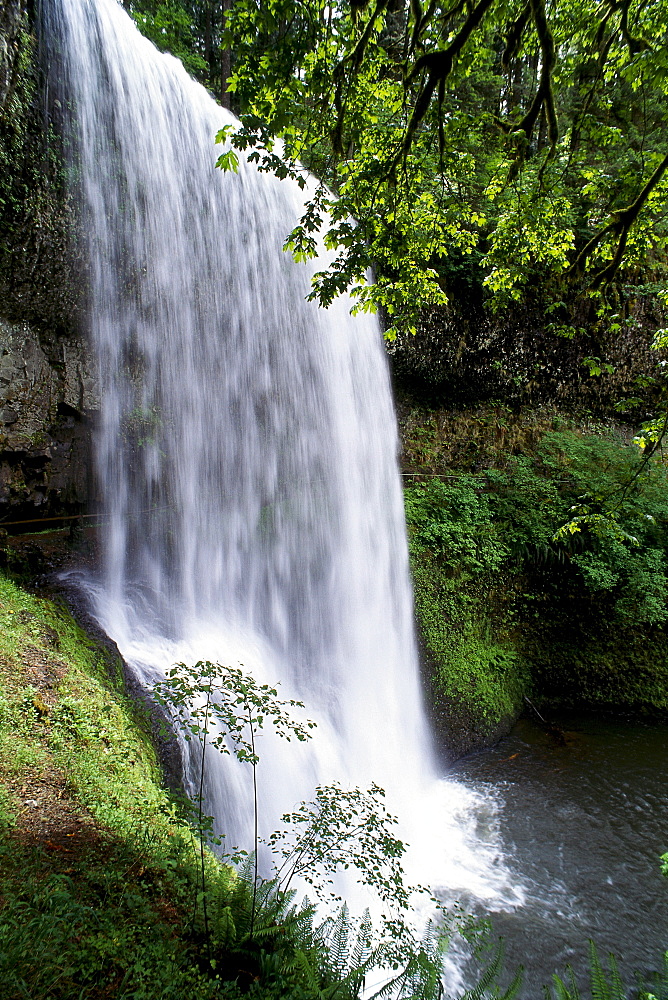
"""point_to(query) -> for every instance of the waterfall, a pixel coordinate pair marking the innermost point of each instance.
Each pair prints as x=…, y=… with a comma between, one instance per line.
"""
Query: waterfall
x=246, y=452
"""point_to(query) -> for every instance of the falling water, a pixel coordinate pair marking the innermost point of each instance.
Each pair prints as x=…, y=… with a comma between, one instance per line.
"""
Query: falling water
x=246, y=451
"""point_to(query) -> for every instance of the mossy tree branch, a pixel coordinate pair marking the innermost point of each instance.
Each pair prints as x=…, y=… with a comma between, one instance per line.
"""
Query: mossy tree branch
x=620, y=226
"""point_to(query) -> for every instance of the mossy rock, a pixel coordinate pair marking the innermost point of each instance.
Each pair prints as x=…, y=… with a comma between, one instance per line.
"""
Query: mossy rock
x=616, y=670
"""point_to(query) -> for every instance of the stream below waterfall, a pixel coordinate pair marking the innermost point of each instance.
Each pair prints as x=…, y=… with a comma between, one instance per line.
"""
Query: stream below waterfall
x=582, y=825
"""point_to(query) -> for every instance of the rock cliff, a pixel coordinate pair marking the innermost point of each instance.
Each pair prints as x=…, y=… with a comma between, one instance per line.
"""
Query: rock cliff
x=47, y=386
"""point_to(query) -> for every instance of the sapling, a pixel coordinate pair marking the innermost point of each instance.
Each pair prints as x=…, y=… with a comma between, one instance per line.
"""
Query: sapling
x=224, y=707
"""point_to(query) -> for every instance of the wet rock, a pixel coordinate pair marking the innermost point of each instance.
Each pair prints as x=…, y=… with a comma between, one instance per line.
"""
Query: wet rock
x=46, y=411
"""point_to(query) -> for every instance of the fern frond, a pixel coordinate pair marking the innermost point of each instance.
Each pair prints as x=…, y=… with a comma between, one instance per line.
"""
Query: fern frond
x=616, y=985
x=363, y=947
x=657, y=989
x=338, y=942
x=310, y=975
x=601, y=989
x=224, y=928
x=515, y=986
x=561, y=991
x=488, y=978
x=420, y=979
x=599, y=984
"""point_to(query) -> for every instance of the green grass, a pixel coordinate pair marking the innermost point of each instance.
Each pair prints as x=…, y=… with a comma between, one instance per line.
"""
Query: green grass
x=98, y=880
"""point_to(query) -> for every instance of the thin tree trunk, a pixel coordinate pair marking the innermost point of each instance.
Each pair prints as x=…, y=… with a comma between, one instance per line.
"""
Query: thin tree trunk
x=225, y=64
x=208, y=54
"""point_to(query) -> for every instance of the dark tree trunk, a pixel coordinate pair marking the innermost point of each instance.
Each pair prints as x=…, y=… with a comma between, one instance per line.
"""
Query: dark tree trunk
x=225, y=64
x=208, y=53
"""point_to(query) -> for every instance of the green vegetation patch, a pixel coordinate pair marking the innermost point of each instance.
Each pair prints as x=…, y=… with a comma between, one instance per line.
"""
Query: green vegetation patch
x=97, y=868
x=508, y=605
x=457, y=563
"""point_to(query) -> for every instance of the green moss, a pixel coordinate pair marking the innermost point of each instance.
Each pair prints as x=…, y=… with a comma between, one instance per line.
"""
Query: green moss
x=7, y=812
x=474, y=666
x=505, y=608
x=98, y=883
x=622, y=670
x=37, y=224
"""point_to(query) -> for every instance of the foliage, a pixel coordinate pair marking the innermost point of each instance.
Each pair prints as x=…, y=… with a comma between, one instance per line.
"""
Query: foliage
x=507, y=601
x=341, y=828
x=169, y=27
x=523, y=143
x=453, y=520
x=528, y=140
x=190, y=30
x=474, y=664
x=487, y=987
x=110, y=898
x=75, y=926
x=95, y=892
x=607, y=984
x=232, y=706
x=475, y=526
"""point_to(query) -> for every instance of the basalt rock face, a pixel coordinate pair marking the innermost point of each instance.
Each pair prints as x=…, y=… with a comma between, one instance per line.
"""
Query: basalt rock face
x=47, y=386
x=44, y=433
x=464, y=355
x=11, y=16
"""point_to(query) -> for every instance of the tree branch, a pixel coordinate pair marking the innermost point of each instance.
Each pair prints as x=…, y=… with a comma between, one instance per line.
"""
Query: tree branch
x=621, y=224
x=438, y=66
x=544, y=96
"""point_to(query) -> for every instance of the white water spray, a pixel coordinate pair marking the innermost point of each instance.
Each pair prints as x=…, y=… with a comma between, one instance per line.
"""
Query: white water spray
x=246, y=453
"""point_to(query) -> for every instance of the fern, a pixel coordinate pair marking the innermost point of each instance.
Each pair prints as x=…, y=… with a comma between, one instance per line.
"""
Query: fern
x=658, y=988
x=601, y=988
x=487, y=987
x=607, y=984
x=559, y=989
x=362, y=947
x=347, y=954
x=420, y=978
x=338, y=943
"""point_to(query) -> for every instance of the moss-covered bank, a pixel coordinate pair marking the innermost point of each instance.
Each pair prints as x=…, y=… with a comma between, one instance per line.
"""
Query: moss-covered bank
x=96, y=868
x=507, y=612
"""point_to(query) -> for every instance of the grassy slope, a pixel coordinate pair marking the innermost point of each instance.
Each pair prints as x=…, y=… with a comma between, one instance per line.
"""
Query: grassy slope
x=97, y=872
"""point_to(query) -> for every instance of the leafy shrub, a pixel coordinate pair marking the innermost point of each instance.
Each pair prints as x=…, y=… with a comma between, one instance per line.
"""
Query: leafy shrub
x=498, y=584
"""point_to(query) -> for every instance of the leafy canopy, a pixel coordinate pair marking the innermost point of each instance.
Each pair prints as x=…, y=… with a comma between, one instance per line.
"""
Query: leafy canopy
x=527, y=138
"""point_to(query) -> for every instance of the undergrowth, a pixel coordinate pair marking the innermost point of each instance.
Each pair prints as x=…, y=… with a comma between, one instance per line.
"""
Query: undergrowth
x=507, y=606
x=95, y=860
x=104, y=889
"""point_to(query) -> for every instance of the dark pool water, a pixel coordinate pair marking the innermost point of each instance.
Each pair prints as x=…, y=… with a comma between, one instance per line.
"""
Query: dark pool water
x=583, y=822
